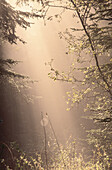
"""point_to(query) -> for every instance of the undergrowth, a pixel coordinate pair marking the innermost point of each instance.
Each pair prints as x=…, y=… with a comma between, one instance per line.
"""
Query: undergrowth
x=66, y=158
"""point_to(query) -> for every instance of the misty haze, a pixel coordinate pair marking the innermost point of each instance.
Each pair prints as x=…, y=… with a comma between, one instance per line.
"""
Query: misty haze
x=55, y=85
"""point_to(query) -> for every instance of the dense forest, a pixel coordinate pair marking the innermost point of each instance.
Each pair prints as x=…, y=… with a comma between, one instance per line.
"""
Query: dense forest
x=89, y=40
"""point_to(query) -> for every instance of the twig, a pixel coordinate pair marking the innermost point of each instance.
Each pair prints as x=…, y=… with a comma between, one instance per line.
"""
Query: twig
x=45, y=142
x=4, y=144
x=56, y=139
x=92, y=48
x=59, y=6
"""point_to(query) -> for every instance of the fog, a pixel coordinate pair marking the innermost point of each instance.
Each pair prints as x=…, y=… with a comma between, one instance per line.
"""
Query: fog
x=22, y=119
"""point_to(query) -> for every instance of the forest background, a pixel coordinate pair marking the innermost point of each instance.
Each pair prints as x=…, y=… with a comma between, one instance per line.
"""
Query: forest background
x=90, y=42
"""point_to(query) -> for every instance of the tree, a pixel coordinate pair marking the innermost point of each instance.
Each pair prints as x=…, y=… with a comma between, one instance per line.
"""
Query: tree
x=96, y=81
x=95, y=42
x=10, y=18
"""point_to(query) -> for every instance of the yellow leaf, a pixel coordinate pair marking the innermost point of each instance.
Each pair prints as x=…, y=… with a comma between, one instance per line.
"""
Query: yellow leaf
x=67, y=109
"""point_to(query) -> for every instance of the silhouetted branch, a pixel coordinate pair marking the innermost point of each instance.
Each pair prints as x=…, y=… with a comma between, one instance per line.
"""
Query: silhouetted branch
x=92, y=47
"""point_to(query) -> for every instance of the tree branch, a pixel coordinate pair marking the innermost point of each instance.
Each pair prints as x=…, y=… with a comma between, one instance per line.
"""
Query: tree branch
x=92, y=47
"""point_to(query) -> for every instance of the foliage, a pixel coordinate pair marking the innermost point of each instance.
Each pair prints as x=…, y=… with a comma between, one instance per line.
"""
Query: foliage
x=19, y=159
x=17, y=81
x=10, y=19
x=72, y=160
x=93, y=43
